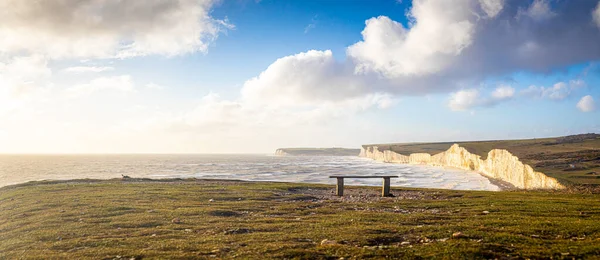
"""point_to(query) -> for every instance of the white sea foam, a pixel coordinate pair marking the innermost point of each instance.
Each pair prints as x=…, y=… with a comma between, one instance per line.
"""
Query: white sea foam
x=21, y=168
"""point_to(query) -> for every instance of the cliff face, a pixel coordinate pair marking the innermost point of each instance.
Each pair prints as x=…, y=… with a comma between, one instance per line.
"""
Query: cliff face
x=280, y=152
x=500, y=164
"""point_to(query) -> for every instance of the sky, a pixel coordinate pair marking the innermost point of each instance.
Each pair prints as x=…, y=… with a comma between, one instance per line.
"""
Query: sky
x=250, y=76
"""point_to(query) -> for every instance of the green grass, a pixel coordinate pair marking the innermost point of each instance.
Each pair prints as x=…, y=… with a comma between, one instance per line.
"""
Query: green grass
x=572, y=163
x=226, y=219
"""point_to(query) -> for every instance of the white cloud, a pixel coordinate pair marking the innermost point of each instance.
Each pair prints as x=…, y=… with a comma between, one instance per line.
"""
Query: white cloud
x=122, y=83
x=441, y=30
x=89, y=28
x=538, y=10
x=559, y=91
x=464, y=100
x=470, y=98
x=491, y=7
x=586, y=104
x=84, y=69
x=446, y=44
x=596, y=14
x=503, y=92
x=308, y=78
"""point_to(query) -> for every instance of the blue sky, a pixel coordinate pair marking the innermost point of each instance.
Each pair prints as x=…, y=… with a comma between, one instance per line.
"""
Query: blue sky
x=243, y=76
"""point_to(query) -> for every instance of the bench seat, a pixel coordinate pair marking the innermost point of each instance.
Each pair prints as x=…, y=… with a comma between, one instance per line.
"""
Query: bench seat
x=385, y=189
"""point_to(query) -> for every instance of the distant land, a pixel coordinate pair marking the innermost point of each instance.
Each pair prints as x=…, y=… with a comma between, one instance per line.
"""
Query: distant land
x=318, y=151
x=573, y=159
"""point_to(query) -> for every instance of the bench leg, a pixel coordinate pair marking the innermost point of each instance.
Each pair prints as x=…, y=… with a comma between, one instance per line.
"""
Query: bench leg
x=340, y=187
x=385, y=191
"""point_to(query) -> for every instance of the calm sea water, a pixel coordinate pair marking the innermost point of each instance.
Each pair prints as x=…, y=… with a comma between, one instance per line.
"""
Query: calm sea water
x=22, y=168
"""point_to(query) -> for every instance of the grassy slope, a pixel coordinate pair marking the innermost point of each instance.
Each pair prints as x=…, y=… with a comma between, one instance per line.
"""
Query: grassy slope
x=545, y=155
x=106, y=219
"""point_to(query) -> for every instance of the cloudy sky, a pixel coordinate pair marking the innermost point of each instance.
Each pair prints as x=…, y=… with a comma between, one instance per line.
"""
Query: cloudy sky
x=245, y=76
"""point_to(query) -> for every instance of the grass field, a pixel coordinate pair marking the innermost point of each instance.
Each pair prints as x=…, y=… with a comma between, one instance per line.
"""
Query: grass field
x=571, y=159
x=188, y=219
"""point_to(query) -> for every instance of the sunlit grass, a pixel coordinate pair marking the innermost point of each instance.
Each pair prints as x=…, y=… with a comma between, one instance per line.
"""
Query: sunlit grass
x=224, y=219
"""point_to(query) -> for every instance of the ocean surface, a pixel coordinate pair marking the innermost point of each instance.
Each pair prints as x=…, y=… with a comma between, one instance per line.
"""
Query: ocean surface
x=16, y=169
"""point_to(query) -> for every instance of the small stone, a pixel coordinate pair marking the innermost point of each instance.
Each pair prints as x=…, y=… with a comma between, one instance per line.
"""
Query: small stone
x=211, y=200
x=327, y=242
x=153, y=235
x=176, y=221
x=458, y=235
x=187, y=230
x=236, y=231
x=405, y=243
x=485, y=212
x=565, y=254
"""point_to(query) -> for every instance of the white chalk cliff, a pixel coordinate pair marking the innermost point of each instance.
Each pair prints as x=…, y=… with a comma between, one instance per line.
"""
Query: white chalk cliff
x=500, y=164
x=280, y=152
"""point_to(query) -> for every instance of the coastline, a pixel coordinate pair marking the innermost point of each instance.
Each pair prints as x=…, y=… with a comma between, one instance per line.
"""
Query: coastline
x=502, y=185
x=499, y=164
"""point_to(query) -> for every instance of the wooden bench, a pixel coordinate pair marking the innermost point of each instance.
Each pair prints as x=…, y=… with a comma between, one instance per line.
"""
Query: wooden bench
x=385, y=190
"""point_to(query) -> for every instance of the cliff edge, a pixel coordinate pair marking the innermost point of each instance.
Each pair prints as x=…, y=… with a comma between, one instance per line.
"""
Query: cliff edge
x=500, y=164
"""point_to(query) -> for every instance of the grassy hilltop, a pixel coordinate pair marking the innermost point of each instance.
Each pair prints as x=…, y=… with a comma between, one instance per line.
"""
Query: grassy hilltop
x=571, y=159
x=189, y=219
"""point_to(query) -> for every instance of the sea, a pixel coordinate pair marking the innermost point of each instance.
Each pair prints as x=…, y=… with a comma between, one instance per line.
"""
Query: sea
x=15, y=169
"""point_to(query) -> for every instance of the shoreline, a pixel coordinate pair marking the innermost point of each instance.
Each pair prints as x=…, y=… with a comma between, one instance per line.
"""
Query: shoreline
x=503, y=186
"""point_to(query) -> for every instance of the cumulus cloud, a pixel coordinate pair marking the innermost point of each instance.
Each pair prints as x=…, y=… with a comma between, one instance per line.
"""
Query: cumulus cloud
x=464, y=100
x=471, y=98
x=122, y=84
x=586, y=104
x=503, y=92
x=112, y=28
x=84, y=69
x=558, y=91
x=538, y=10
x=491, y=7
x=441, y=30
x=446, y=45
x=308, y=78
